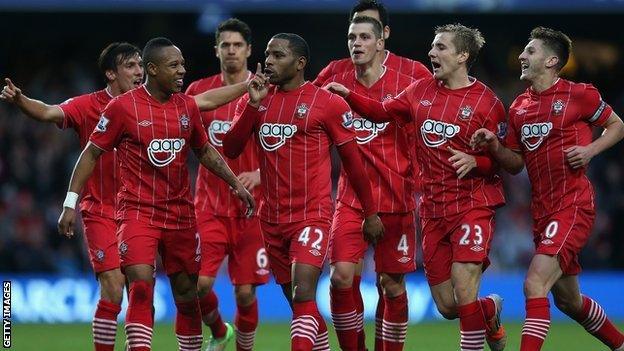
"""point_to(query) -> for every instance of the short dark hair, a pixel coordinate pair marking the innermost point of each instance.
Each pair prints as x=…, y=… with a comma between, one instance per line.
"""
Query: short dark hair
x=116, y=53
x=377, y=29
x=152, y=49
x=557, y=41
x=466, y=39
x=234, y=25
x=364, y=5
x=296, y=43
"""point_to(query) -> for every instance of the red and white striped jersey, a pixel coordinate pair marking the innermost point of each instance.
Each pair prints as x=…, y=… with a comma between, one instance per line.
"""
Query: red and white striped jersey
x=152, y=140
x=542, y=126
x=398, y=63
x=82, y=114
x=384, y=147
x=446, y=118
x=294, y=133
x=213, y=195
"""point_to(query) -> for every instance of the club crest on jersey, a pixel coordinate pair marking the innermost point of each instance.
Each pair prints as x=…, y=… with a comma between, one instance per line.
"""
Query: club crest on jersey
x=347, y=119
x=99, y=255
x=274, y=135
x=302, y=110
x=123, y=248
x=367, y=130
x=216, y=128
x=436, y=133
x=465, y=112
x=533, y=134
x=162, y=152
x=185, y=122
x=557, y=107
x=102, y=123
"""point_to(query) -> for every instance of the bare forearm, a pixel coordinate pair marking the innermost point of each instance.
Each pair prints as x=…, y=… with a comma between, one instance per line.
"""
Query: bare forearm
x=39, y=110
x=210, y=158
x=371, y=109
x=614, y=132
x=83, y=169
x=508, y=159
x=214, y=98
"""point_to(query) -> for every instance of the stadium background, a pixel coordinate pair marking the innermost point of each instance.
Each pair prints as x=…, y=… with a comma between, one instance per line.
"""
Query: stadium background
x=49, y=49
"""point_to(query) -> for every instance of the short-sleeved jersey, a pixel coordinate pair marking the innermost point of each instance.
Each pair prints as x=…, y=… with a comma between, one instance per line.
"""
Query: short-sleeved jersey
x=294, y=133
x=446, y=118
x=384, y=147
x=398, y=63
x=542, y=126
x=152, y=140
x=82, y=114
x=213, y=195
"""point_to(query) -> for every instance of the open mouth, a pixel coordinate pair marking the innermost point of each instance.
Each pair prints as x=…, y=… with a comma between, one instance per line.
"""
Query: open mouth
x=357, y=52
x=179, y=82
x=435, y=65
x=524, y=65
x=137, y=82
x=268, y=72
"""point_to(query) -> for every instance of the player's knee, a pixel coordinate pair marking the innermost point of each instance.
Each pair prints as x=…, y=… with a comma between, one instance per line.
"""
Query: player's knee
x=141, y=290
x=111, y=286
x=303, y=292
x=245, y=295
x=448, y=312
x=340, y=280
x=392, y=285
x=534, y=287
x=203, y=286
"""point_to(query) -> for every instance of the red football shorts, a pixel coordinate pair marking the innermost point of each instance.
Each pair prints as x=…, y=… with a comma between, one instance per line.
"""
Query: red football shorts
x=241, y=240
x=462, y=237
x=101, y=238
x=139, y=242
x=394, y=253
x=298, y=242
x=564, y=234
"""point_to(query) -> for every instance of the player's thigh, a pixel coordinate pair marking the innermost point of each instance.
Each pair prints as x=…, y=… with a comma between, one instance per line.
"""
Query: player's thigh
x=309, y=242
x=180, y=250
x=138, y=245
x=346, y=243
x=101, y=239
x=213, y=234
x=471, y=236
x=563, y=234
x=437, y=250
x=249, y=262
x=396, y=251
x=277, y=242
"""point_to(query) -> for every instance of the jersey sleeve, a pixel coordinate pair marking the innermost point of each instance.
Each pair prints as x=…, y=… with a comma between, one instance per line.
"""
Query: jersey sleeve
x=420, y=71
x=110, y=128
x=323, y=77
x=199, y=138
x=399, y=107
x=496, y=120
x=192, y=89
x=593, y=109
x=337, y=120
x=512, y=138
x=71, y=113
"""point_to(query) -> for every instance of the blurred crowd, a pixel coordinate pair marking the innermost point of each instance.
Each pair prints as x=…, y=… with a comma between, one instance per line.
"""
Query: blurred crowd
x=36, y=161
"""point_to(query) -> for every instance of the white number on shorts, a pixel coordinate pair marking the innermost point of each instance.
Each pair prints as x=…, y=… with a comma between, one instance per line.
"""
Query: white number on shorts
x=551, y=229
x=198, y=249
x=304, y=237
x=403, y=246
x=478, y=235
x=261, y=258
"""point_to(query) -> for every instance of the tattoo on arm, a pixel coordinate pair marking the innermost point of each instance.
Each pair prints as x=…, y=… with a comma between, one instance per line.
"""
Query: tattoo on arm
x=211, y=159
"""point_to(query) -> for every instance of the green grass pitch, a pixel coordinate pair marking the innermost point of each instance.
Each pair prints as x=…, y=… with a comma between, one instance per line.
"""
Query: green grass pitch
x=441, y=336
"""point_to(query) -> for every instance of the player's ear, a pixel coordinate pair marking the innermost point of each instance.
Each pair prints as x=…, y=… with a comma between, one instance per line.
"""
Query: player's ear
x=216, y=47
x=552, y=61
x=386, y=32
x=463, y=57
x=380, y=44
x=152, y=69
x=248, y=51
x=111, y=75
x=301, y=63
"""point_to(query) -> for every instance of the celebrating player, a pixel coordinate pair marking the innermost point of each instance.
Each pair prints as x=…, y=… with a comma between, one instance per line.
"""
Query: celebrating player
x=550, y=129
x=152, y=128
x=223, y=228
x=296, y=123
x=121, y=65
x=387, y=162
x=460, y=191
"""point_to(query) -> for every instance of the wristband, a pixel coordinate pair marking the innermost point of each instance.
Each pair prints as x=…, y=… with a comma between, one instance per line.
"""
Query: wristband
x=70, y=200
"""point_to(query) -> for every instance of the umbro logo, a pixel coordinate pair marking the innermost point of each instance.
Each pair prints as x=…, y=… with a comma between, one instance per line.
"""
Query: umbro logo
x=425, y=103
x=521, y=111
x=145, y=123
x=404, y=259
x=261, y=108
x=477, y=248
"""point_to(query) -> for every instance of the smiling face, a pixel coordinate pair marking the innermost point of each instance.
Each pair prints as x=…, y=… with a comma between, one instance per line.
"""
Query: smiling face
x=169, y=70
x=128, y=73
x=535, y=59
x=281, y=64
x=363, y=44
x=232, y=51
x=445, y=60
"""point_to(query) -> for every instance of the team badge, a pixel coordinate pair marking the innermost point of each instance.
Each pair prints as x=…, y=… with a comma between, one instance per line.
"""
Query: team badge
x=465, y=112
x=557, y=107
x=184, y=122
x=99, y=255
x=123, y=248
x=302, y=110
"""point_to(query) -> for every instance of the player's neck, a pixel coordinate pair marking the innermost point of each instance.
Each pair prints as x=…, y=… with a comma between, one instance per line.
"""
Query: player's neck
x=113, y=90
x=368, y=74
x=456, y=81
x=231, y=78
x=155, y=92
x=544, y=82
x=293, y=84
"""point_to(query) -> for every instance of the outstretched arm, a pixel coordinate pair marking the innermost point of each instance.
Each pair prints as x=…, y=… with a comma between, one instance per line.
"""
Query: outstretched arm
x=511, y=161
x=373, y=110
x=82, y=171
x=213, y=98
x=32, y=108
x=210, y=158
